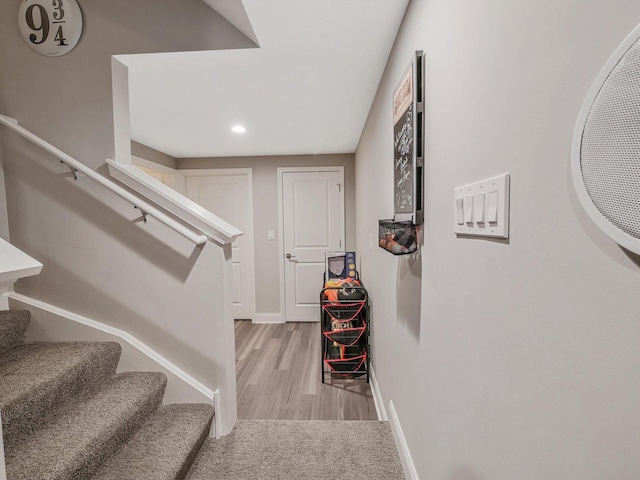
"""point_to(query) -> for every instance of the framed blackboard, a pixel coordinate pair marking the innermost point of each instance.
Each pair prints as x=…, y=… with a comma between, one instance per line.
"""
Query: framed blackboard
x=408, y=133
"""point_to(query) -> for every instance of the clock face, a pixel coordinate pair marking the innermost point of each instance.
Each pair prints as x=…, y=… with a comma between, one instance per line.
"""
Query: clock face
x=50, y=27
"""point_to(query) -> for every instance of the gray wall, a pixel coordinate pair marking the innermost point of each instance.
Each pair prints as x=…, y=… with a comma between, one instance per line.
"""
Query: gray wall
x=504, y=360
x=99, y=260
x=265, y=210
x=153, y=155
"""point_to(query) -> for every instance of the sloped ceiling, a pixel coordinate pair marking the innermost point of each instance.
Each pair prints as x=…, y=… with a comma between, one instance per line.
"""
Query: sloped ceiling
x=307, y=88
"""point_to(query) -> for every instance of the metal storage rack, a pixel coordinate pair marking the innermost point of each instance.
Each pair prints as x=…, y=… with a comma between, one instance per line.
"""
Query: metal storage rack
x=344, y=321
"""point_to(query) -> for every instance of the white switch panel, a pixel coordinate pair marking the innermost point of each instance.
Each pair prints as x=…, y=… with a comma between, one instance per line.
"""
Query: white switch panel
x=485, y=208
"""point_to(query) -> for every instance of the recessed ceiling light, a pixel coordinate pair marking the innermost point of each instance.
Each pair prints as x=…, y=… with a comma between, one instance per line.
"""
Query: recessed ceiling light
x=238, y=129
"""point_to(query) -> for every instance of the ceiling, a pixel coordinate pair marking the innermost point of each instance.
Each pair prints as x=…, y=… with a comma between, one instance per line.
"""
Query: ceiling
x=306, y=89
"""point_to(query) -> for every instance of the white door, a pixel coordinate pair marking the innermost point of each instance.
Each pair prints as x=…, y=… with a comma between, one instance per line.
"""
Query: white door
x=227, y=194
x=313, y=223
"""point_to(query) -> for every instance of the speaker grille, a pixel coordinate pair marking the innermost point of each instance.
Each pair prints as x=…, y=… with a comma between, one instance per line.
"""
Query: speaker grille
x=610, y=147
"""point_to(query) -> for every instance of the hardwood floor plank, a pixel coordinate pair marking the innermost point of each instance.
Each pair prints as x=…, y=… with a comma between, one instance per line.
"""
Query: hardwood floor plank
x=278, y=374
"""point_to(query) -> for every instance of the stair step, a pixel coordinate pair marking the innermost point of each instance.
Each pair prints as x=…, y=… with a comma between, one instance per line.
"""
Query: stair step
x=75, y=442
x=36, y=379
x=165, y=446
x=13, y=325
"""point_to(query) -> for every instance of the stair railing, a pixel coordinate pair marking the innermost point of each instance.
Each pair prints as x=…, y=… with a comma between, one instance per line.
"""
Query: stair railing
x=75, y=166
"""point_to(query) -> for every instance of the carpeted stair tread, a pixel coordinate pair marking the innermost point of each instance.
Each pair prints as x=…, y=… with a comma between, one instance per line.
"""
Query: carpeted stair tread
x=319, y=450
x=164, y=447
x=76, y=441
x=38, y=378
x=13, y=325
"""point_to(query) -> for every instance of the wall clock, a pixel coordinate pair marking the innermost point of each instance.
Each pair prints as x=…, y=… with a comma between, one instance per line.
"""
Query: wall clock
x=50, y=27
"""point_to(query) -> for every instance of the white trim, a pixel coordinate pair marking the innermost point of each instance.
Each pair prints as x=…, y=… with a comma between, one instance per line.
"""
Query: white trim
x=176, y=176
x=4, y=215
x=3, y=470
x=377, y=396
x=121, y=334
x=16, y=264
x=170, y=176
x=250, y=235
x=216, y=426
x=619, y=236
x=143, y=162
x=121, y=110
x=281, y=171
x=174, y=202
x=401, y=444
x=205, y=172
x=268, y=318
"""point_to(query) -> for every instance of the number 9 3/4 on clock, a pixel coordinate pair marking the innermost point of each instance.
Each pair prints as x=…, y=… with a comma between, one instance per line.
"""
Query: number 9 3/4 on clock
x=50, y=27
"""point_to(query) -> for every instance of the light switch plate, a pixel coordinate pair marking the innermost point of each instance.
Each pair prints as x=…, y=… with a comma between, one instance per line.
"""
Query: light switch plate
x=485, y=192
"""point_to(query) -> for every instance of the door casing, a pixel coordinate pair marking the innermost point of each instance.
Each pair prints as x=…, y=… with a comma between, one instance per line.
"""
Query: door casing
x=281, y=171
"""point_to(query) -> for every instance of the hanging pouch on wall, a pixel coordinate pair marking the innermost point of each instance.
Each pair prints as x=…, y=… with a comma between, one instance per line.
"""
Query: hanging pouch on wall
x=399, y=238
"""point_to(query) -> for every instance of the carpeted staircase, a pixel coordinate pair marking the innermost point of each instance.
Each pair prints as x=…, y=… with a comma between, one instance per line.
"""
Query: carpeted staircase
x=301, y=450
x=66, y=414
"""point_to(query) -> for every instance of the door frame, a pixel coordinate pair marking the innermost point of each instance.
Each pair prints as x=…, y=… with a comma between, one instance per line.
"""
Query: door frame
x=248, y=172
x=178, y=178
x=281, y=171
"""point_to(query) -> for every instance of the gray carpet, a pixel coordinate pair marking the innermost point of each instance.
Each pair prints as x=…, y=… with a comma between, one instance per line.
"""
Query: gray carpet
x=287, y=449
x=174, y=433
x=38, y=378
x=66, y=415
x=13, y=325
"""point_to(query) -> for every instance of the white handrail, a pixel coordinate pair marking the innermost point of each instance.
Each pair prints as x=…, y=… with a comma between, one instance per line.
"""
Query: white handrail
x=145, y=208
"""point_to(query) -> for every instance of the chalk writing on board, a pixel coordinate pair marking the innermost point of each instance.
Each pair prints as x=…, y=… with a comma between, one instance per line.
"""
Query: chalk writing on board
x=403, y=162
x=403, y=147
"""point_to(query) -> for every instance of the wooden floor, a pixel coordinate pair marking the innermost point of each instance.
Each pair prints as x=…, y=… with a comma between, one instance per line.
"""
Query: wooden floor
x=278, y=377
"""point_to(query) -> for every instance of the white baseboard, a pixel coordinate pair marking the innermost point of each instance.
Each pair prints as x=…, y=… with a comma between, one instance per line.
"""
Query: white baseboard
x=50, y=323
x=216, y=426
x=268, y=318
x=409, y=468
x=3, y=470
x=377, y=397
x=4, y=305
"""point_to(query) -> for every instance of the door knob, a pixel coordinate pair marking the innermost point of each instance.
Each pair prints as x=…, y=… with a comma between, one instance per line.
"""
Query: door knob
x=288, y=255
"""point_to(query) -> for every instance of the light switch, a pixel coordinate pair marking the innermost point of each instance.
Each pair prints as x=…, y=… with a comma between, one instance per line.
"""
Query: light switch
x=478, y=208
x=485, y=208
x=492, y=207
x=468, y=209
x=460, y=211
x=271, y=235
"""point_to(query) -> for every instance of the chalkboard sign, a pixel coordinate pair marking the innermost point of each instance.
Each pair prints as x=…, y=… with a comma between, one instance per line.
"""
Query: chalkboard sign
x=407, y=143
x=403, y=175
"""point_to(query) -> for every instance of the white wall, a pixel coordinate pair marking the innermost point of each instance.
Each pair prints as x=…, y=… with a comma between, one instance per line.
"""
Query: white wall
x=510, y=359
x=99, y=261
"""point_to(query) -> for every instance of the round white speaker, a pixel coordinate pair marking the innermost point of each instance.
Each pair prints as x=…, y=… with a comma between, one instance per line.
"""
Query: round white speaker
x=605, y=155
